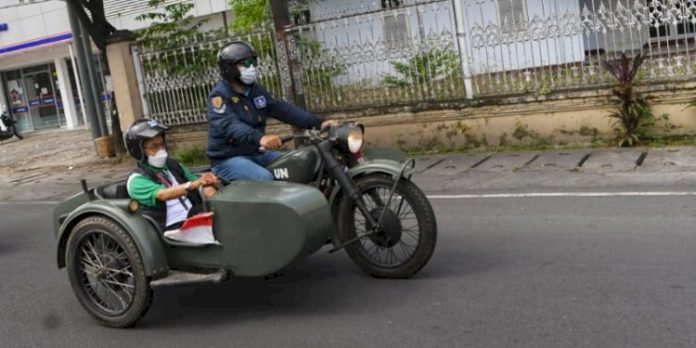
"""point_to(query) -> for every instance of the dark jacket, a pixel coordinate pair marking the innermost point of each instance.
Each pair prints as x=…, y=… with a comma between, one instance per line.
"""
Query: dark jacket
x=158, y=213
x=237, y=125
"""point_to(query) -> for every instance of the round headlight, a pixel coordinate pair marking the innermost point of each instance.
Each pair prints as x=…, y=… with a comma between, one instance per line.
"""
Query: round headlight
x=355, y=140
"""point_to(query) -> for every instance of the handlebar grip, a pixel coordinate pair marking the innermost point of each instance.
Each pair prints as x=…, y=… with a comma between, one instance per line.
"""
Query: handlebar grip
x=286, y=138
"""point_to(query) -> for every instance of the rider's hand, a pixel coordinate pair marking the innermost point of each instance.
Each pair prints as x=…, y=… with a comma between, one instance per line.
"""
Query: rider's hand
x=328, y=123
x=271, y=141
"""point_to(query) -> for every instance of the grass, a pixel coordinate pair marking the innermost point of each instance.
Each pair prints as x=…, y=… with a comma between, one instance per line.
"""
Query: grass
x=191, y=156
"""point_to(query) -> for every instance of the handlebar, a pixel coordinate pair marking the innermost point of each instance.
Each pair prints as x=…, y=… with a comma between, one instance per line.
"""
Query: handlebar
x=284, y=139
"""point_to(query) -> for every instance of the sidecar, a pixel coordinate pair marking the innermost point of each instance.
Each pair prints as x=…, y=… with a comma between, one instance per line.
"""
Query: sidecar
x=114, y=256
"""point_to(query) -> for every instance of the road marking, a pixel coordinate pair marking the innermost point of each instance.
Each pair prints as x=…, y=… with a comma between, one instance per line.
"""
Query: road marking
x=28, y=202
x=564, y=194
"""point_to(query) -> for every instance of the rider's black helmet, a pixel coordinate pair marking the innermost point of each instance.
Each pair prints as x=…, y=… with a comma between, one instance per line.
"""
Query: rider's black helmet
x=140, y=131
x=231, y=54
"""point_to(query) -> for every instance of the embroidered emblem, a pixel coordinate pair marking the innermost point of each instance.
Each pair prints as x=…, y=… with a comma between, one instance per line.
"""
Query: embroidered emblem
x=260, y=102
x=235, y=99
x=217, y=102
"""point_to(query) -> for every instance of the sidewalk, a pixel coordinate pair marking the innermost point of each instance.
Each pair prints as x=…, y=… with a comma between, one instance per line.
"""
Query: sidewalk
x=49, y=166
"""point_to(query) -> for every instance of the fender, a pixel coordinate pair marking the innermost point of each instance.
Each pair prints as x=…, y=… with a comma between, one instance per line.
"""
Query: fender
x=143, y=233
x=386, y=166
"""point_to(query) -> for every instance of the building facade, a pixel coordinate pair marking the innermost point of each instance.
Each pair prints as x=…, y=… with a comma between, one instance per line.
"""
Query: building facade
x=38, y=83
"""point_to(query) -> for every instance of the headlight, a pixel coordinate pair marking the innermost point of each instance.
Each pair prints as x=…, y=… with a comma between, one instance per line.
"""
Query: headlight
x=355, y=140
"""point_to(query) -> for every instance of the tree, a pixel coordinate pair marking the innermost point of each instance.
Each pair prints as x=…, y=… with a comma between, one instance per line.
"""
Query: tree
x=249, y=14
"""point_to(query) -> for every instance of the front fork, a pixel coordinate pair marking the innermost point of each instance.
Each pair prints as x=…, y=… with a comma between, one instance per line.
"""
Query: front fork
x=336, y=171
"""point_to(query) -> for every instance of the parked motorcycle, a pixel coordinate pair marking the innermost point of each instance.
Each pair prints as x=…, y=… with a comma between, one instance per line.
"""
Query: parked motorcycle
x=8, y=129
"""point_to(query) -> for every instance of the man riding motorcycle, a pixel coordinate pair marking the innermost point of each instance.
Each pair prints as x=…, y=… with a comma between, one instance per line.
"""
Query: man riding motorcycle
x=237, y=111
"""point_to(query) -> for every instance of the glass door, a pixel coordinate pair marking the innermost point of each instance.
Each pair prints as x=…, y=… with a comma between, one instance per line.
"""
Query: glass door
x=14, y=88
x=41, y=99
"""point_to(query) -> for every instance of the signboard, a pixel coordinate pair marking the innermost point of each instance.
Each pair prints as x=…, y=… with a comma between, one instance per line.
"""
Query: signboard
x=19, y=110
x=3, y=26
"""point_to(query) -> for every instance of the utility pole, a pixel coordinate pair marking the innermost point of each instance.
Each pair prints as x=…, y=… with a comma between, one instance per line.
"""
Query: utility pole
x=289, y=68
x=82, y=63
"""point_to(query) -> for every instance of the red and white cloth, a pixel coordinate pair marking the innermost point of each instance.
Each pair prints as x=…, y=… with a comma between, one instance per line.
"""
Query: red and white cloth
x=197, y=229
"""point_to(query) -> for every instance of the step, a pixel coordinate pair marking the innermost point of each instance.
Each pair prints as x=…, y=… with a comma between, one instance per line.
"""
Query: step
x=181, y=277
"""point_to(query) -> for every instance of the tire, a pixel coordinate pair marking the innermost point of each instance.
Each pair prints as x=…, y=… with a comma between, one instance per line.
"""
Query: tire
x=106, y=272
x=396, y=232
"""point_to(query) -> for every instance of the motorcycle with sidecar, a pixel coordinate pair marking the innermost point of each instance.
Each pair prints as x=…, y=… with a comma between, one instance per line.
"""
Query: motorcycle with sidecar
x=328, y=190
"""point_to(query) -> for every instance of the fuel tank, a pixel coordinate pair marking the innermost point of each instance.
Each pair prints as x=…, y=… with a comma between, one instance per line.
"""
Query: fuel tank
x=300, y=165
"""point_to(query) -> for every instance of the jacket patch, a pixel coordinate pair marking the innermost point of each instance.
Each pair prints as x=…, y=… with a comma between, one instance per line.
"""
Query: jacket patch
x=217, y=102
x=235, y=99
x=260, y=102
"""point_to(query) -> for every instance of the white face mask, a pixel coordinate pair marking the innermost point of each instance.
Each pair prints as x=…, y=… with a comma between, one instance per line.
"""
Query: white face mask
x=248, y=75
x=159, y=159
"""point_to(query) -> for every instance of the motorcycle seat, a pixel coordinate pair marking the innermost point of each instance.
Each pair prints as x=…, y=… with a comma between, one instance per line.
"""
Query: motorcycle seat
x=116, y=190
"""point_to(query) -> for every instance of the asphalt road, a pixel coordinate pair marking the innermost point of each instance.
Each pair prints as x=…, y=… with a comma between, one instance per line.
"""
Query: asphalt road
x=507, y=272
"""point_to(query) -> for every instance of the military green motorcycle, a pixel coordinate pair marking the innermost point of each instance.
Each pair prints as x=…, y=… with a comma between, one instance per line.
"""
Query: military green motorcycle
x=331, y=193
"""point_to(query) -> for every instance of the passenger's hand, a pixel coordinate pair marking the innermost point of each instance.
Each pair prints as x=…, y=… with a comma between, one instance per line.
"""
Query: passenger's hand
x=209, y=179
x=328, y=123
x=271, y=141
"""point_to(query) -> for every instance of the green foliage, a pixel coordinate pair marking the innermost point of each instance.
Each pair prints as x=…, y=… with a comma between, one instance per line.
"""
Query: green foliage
x=249, y=14
x=434, y=64
x=320, y=67
x=633, y=113
x=191, y=156
x=172, y=25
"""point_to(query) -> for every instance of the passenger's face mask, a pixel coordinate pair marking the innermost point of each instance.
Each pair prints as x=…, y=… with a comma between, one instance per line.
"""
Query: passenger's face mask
x=248, y=75
x=159, y=159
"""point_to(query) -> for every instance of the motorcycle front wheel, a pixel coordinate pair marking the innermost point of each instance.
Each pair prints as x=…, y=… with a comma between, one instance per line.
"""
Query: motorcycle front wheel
x=406, y=239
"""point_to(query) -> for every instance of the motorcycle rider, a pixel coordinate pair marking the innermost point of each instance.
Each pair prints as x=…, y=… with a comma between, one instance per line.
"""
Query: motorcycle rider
x=237, y=110
x=166, y=190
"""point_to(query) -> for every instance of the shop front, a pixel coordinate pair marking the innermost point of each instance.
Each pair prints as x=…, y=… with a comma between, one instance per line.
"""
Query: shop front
x=33, y=97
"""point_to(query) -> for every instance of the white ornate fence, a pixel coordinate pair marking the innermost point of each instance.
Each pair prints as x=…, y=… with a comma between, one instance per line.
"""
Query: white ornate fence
x=375, y=53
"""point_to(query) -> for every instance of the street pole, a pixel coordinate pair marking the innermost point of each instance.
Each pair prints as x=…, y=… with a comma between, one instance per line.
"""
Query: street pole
x=92, y=76
x=90, y=107
x=285, y=44
x=463, y=44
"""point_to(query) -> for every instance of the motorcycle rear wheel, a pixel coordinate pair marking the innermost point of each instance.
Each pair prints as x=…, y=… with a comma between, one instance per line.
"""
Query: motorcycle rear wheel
x=405, y=241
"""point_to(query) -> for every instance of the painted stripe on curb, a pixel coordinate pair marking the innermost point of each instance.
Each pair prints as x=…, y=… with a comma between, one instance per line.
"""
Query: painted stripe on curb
x=565, y=194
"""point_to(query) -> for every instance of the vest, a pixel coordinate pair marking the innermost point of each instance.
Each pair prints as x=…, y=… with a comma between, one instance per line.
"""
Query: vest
x=158, y=213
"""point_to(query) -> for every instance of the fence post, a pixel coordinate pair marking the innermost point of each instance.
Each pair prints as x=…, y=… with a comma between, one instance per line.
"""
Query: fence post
x=285, y=44
x=125, y=82
x=463, y=44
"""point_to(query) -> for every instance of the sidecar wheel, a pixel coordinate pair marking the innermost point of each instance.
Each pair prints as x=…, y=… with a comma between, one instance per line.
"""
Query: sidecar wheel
x=106, y=272
x=408, y=235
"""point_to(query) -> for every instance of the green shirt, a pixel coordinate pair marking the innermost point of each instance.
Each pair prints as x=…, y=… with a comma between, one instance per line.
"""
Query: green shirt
x=144, y=190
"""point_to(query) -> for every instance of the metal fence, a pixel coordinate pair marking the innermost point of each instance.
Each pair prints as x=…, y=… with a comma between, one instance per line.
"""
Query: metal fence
x=544, y=46
x=371, y=53
x=177, y=77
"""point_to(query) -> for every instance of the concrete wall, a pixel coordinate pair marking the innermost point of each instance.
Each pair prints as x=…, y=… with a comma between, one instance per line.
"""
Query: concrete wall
x=576, y=118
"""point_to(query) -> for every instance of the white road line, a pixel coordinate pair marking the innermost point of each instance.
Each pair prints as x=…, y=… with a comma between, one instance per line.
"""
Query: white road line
x=28, y=202
x=564, y=194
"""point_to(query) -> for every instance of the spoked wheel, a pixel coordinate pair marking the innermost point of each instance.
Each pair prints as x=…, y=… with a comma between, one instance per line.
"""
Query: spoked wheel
x=406, y=238
x=106, y=272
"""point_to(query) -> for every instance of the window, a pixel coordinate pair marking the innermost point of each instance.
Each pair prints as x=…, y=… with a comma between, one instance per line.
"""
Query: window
x=511, y=14
x=302, y=17
x=396, y=32
x=389, y=4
